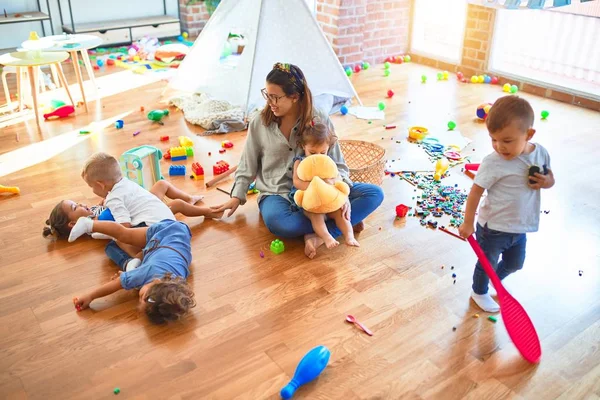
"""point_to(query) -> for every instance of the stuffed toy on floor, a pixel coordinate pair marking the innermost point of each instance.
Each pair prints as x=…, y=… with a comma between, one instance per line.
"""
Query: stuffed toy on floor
x=320, y=197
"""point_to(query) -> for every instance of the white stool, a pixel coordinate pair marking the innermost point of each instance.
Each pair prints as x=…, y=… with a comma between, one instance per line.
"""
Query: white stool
x=13, y=70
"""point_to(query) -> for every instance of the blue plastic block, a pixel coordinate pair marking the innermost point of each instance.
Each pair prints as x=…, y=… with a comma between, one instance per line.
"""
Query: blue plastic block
x=177, y=170
x=119, y=124
x=560, y=3
x=179, y=158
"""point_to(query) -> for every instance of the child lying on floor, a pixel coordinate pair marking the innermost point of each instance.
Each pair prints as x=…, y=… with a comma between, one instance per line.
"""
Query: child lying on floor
x=130, y=205
x=163, y=292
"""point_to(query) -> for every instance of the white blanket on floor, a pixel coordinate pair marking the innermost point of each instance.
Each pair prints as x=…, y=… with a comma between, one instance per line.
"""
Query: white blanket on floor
x=201, y=109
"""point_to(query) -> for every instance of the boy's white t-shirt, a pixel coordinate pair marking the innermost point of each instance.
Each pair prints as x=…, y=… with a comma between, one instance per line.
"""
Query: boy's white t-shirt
x=130, y=203
x=511, y=205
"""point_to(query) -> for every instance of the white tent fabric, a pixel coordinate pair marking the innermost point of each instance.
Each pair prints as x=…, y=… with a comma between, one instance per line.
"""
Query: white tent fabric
x=275, y=31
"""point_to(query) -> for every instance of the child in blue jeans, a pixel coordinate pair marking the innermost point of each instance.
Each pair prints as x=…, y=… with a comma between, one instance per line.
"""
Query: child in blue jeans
x=512, y=206
x=163, y=292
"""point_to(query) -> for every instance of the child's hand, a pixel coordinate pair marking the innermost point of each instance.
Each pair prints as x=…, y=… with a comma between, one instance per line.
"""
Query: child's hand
x=465, y=230
x=81, y=303
x=541, y=181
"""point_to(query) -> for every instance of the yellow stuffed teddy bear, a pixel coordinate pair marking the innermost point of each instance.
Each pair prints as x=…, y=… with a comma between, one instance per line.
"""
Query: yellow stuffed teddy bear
x=320, y=197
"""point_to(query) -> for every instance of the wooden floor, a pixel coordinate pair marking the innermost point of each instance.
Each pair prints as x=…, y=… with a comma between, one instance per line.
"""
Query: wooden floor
x=257, y=317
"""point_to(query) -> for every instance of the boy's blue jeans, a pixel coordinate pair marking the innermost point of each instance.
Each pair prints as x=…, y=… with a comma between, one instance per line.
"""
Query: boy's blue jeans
x=495, y=243
x=285, y=219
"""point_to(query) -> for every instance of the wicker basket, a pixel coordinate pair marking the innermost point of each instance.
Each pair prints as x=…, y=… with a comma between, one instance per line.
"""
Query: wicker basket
x=365, y=160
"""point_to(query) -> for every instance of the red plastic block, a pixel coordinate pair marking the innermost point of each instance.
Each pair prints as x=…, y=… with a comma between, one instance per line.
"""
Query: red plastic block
x=167, y=155
x=220, y=167
x=164, y=138
x=401, y=210
x=197, y=169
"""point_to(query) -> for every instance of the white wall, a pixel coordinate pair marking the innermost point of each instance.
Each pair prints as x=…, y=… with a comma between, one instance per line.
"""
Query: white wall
x=12, y=35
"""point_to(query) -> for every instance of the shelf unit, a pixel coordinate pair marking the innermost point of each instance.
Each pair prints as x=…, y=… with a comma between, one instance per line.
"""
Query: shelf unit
x=29, y=16
x=124, y=30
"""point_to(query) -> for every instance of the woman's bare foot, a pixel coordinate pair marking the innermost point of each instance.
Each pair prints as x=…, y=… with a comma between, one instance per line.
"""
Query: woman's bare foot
x=359, y=227
x=352, y=242
x=195, y=199
x=311, y=244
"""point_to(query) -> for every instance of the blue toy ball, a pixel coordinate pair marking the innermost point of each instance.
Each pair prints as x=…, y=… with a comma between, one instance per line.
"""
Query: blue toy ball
x=180, y=38
x=487, y=79
x=99, y=62
x=344, y=110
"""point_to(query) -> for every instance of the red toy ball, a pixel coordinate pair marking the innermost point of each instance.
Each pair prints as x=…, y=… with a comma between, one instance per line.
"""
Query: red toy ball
x=495, y=80
x=460, y=75
x=357, y=68
x=390, y=93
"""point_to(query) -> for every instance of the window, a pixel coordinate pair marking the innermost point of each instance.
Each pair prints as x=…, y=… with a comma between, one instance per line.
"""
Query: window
x=557, y=48
x=439, y=28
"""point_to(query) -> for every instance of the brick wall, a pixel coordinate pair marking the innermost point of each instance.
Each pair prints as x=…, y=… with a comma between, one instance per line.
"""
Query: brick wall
x=365, y=30
x=193, y=18
x=476, y=53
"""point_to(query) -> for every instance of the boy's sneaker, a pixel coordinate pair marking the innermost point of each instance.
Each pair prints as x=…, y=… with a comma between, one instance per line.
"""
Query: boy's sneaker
x=485, y=302
x=132, y=264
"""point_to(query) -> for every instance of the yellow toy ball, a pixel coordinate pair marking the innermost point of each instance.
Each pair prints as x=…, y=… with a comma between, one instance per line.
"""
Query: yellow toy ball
x=473, y=79
x=480, y=79
x=185, y=35
x=136, y=58
x=446, y=74
x=506, y=87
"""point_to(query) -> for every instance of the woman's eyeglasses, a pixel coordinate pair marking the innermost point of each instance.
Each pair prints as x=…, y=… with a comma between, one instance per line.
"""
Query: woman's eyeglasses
x=271, y=98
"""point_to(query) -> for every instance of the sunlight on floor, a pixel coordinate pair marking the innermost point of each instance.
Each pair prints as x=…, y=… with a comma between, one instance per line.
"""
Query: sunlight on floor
x=108, y=85
x=35, y=153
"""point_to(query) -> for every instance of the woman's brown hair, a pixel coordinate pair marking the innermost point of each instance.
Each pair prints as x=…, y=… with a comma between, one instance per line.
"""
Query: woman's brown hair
x=169, y=300
x=292, y=81
x=57, y=225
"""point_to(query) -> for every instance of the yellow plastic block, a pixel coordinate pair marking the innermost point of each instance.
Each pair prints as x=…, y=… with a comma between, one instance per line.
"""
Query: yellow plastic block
x=178, y=151
x=185, y=141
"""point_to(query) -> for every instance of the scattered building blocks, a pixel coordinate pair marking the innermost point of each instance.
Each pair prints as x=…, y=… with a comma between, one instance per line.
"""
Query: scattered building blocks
x=164, y=138
x=220, y=167
x=277, y=246
x=185, y=141
x=226, y=144
x=493, y=318
x=177, y=170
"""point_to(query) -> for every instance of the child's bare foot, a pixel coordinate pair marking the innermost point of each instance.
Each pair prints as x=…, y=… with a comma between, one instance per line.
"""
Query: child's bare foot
x=352, y=242
x=311, y=244
x=330, y=242
x=359, y=227
x=195, y=199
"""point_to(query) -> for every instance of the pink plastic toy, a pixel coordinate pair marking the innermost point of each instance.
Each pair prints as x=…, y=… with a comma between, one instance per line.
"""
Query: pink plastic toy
x=60, y=112
x=517, y=322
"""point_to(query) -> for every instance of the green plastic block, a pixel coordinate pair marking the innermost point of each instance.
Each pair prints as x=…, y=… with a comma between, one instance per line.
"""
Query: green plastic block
x=189, y=151
x=277, y=246
x=493, y=318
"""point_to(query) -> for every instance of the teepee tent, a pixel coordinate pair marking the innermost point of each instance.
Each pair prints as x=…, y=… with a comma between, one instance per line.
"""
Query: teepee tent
x=275, y=31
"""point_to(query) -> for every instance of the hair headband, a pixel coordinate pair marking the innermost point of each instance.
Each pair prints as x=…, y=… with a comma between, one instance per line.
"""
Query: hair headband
x=295, y=75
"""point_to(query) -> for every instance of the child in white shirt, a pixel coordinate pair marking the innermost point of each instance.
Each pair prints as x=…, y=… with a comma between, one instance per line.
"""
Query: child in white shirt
x=512, y=206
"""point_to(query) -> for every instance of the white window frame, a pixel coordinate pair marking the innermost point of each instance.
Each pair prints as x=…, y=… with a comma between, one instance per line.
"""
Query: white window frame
x=432, y=55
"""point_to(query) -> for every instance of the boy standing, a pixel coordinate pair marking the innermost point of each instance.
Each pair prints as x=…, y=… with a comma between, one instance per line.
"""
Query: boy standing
x=512, y=206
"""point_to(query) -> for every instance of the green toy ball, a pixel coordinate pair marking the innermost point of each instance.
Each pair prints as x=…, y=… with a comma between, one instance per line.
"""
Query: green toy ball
x=440, y=76
x=381, y=105
x=423, y=78
x=545, y=114
x=386, y=72
x=349, y=72
x=514, y=89
x=451, y=125
x=406, y=58
x=386, y=65
x=365, y=66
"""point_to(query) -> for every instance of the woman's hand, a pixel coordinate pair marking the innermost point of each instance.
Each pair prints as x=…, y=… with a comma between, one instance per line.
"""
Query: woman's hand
x=232, y=204
x=346, y=211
